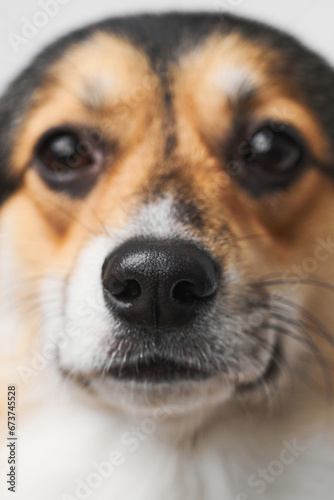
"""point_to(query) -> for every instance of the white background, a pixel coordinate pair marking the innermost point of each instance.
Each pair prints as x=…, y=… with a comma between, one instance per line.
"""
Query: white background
x=310, y=20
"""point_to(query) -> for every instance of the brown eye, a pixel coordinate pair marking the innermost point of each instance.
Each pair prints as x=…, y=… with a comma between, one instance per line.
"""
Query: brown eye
x=274, y=151
x=266, y=159
x=69, y=160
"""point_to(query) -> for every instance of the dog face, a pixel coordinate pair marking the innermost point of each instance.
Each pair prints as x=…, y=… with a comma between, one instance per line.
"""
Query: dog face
x=161, y=178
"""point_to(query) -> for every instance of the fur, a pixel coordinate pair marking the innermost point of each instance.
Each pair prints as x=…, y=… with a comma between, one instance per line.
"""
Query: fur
x=168, y=104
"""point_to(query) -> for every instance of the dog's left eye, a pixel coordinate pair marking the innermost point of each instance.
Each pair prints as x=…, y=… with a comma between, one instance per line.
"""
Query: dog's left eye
x=269, y=160
x=67, y=160
x=274, y=151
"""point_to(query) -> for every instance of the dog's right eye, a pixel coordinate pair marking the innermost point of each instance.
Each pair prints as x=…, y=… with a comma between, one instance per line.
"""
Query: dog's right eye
x=69, y=161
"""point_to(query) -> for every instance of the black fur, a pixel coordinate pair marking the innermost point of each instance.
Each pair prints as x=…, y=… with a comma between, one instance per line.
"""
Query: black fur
x=163, y=38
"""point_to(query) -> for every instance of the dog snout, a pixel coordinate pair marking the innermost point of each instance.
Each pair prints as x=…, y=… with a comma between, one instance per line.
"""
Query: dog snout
x=159, y=284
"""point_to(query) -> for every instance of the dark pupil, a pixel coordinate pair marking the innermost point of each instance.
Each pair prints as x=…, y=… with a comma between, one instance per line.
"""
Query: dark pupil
x=277, y=152
x=63, y=151
x=64, y=148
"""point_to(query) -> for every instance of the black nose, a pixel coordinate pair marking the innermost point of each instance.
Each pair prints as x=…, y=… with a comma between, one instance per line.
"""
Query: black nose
x=159, y=284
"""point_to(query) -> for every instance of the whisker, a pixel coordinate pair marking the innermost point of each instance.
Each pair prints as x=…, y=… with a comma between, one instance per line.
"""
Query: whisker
x=72, y=217
x=322, y=362
x=275, y=282
x=309, y=316
x=102, y=225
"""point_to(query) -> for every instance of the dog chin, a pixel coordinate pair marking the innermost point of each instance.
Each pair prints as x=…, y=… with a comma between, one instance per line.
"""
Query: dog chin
x=180, y=390
x=145, y=398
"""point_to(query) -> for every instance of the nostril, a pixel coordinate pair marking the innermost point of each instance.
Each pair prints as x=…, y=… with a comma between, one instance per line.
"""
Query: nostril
x=187, y=292
x=125, y=291
x=184, y=292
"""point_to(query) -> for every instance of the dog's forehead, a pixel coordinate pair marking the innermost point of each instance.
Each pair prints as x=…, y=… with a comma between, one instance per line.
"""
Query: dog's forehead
x=108, y=82
x=195, y=73
x=107, y=67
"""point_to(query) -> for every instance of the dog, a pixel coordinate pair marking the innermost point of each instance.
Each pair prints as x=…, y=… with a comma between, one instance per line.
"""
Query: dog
x=166, y=265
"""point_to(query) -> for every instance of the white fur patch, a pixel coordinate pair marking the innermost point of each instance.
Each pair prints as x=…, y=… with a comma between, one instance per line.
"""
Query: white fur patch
x=235, y=81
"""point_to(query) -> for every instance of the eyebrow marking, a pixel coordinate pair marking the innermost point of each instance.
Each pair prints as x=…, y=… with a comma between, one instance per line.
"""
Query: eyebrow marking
x=238, y=84
x=95, y=91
